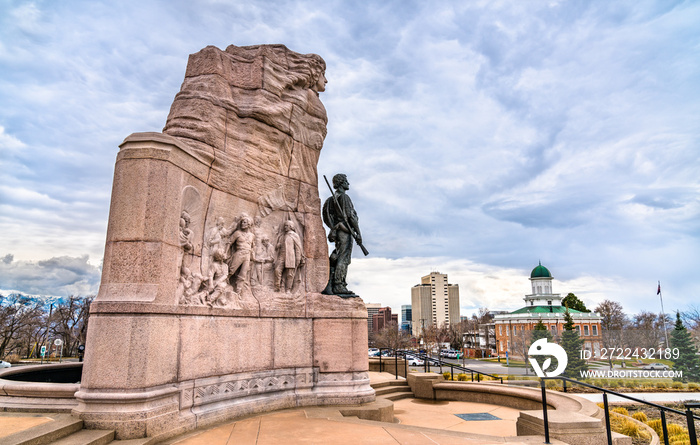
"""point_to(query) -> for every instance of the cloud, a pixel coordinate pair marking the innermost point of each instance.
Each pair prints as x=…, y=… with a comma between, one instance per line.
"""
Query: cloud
x=59, y=276
x=487, y=133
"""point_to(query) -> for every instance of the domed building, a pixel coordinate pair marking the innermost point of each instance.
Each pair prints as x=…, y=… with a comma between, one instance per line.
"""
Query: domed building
x=513, y=329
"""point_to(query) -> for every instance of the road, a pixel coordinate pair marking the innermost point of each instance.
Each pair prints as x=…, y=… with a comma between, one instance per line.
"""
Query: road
x=489, y=367
x=485, y=367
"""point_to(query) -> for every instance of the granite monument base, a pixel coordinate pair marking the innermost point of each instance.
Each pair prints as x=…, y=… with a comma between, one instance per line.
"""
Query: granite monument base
x=156, y=374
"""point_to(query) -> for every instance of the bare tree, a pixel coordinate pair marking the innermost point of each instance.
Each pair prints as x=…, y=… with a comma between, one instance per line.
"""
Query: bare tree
x=429, y=335
x=391, y=337
x=457, y=336
x=485, y=318
x=443, y=334
x=70, y=319
x=646, y=330
x=17, y=315
x=613, y=321
x=521, y=339
x=691, y=319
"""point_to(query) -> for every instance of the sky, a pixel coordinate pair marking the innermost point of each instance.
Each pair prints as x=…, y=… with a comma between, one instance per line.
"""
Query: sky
x=479, y=137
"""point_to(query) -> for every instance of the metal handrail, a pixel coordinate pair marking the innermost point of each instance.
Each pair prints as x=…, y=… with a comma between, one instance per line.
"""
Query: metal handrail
x=437, y=362
x=688, y=414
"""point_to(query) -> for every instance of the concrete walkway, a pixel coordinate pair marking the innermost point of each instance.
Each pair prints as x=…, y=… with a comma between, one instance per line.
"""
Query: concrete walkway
x=421, y=422
x=301, y=426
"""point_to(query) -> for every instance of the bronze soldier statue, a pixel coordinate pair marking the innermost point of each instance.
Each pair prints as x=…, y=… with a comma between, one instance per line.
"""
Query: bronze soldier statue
x=340, y=217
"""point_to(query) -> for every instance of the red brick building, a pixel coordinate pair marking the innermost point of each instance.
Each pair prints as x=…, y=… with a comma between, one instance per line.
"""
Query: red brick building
x=382, y=318
x=513, y=329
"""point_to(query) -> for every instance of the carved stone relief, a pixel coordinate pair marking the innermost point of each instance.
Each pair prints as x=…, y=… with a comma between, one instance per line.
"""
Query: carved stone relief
x=242, y=385
x=245, y=262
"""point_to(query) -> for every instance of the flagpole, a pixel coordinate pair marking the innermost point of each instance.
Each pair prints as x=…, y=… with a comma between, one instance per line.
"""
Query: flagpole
x=663, y=314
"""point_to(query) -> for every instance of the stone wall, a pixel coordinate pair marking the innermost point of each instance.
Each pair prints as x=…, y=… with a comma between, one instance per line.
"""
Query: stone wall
x=210, y=305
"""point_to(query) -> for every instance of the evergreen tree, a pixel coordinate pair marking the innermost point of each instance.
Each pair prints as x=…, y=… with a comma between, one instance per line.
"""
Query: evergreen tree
x=573, y=302
x=541, y=331
x=572, y=344
x=688, y=361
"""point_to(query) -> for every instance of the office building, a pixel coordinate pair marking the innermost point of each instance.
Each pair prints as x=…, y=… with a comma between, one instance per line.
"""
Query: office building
x=383, y=318
x=406, y=318
x=434, y=302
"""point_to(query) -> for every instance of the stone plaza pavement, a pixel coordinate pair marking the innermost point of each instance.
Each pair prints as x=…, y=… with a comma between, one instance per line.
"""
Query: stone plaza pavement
x=419, y=422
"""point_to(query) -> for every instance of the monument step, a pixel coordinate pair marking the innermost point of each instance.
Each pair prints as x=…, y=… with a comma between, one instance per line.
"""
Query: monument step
x=389, y=383
x=392, y=389
x=63, y=425
x=144, y=441
x=398, y=396
x=87, y=437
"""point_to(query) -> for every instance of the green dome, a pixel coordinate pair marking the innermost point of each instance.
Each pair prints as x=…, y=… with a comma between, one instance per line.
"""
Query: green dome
x=540, y=272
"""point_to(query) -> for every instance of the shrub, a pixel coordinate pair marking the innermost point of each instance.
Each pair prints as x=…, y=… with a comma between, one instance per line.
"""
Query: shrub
x=623, y=425
x=446, y=375
x=631, y=429
x=639, y=415
x=677, y=385
x=621, y=410
x=632, y=384
x=679, y=439
x=674, y=429
x=693, y=386
x=646, y=384
x=614, y=383
x=462, y=377
x=552, y=384
x=661, y=385
x=12, y=358
x=655, y=424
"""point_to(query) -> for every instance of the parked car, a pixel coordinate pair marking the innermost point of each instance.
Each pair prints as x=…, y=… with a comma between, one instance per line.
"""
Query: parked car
x=656, y=367
x=373, y=352
x=414, y=361
x=4, y=364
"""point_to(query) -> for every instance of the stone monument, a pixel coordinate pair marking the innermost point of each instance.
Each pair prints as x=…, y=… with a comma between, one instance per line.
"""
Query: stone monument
x=210, y=305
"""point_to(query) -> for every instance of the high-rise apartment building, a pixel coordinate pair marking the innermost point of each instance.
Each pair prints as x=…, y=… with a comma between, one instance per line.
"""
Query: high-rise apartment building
x=434, y=302
x=372, y=309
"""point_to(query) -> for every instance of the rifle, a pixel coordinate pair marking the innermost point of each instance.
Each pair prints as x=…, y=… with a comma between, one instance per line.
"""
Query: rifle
x=345, y=218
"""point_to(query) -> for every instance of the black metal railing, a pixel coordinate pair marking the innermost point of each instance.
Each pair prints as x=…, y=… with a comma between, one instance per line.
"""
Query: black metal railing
x=690, y=417
x=429, y=362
